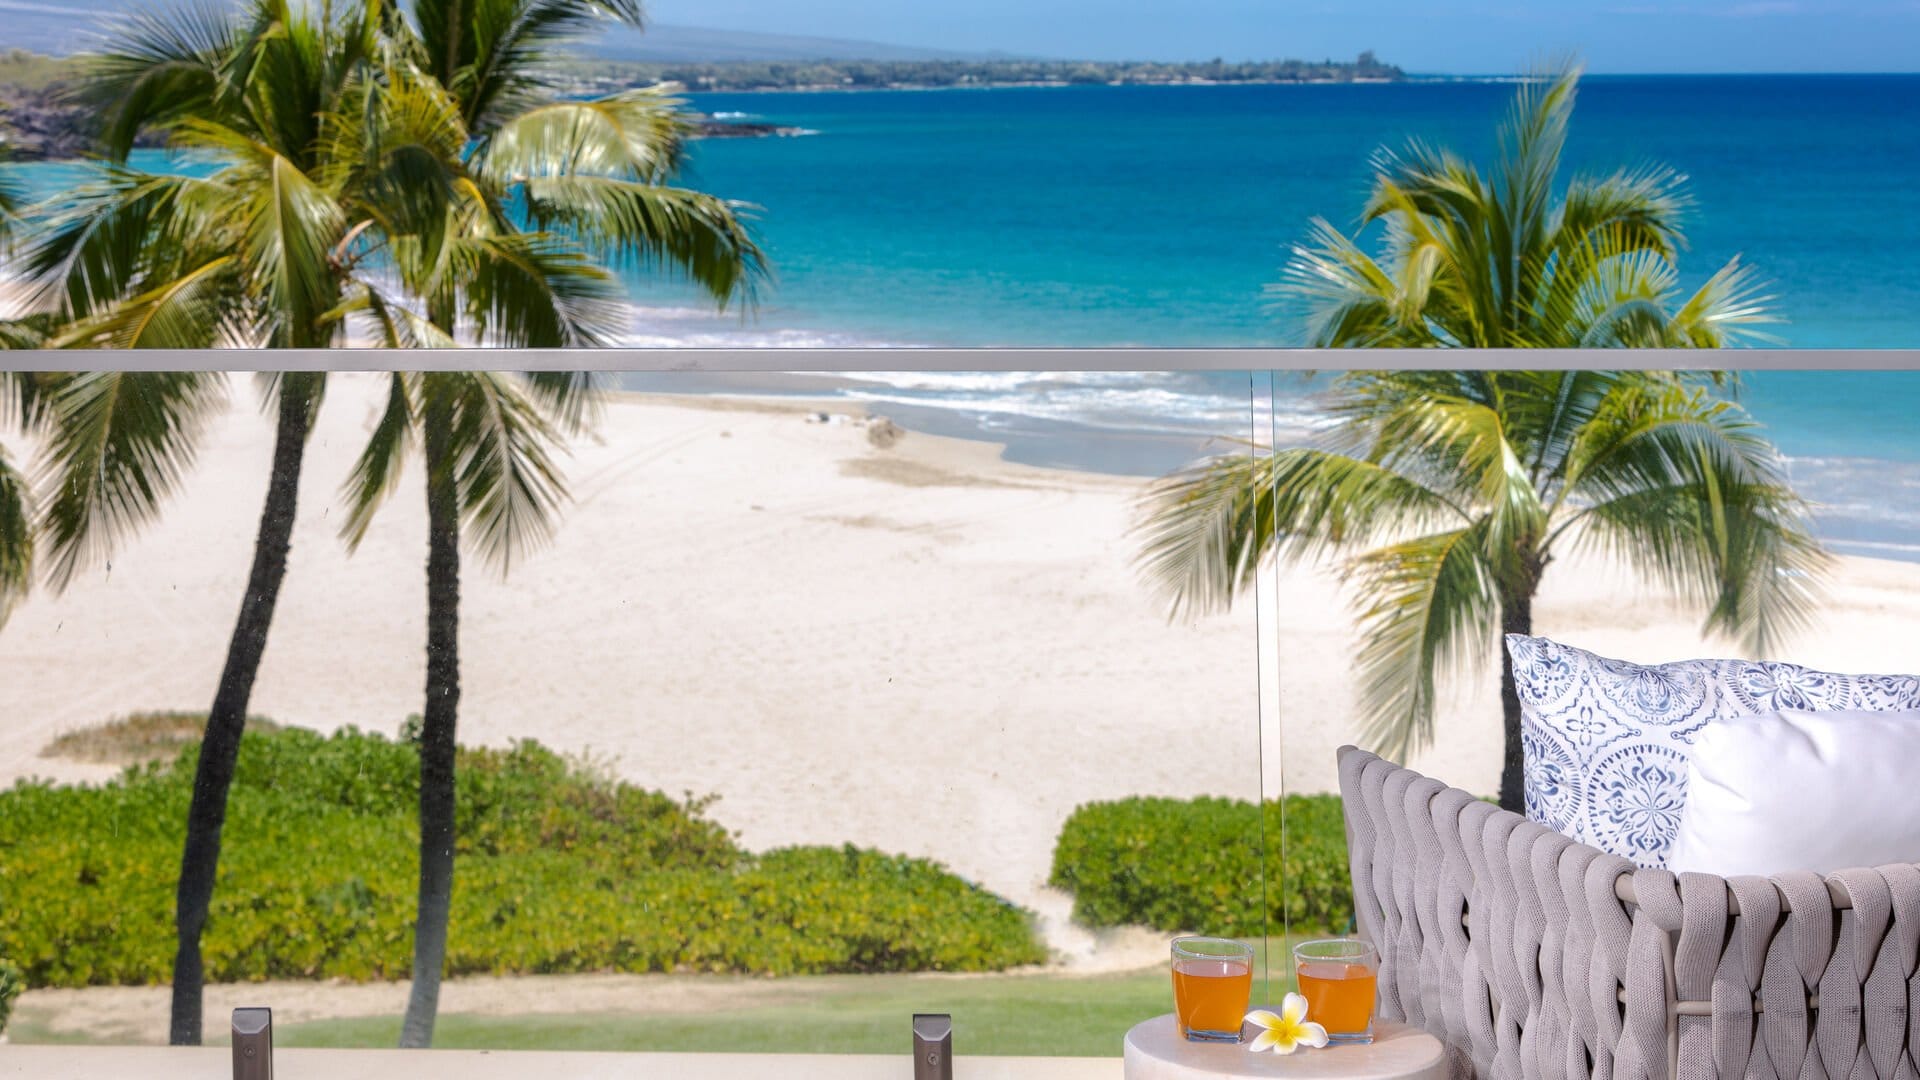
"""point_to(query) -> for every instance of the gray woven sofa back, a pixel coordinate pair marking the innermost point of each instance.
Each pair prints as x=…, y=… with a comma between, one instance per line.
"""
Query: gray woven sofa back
x=1533, y=956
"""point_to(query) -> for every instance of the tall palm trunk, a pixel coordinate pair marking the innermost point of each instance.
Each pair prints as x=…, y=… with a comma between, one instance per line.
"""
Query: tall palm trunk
x=1516, y=617
x=436, y=731
x=227, y=719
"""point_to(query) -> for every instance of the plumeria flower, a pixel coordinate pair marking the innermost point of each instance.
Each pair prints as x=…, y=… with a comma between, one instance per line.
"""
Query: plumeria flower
x=1285, y=1032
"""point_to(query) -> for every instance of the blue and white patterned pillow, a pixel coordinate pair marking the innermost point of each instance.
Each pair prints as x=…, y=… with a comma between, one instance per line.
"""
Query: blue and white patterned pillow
x=1607, y=742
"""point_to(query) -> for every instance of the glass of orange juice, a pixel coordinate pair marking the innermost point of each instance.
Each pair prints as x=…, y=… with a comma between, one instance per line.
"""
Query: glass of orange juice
x=1338, y=978
x=1212, y=980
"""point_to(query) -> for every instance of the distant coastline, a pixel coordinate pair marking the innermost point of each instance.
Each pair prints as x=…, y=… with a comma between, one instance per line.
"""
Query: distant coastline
x=930, y=87
x=605, y=76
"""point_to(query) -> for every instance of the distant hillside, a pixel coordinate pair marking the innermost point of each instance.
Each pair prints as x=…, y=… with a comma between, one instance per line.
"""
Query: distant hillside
x=45, y=26
x=601, y=76
x=664, y=43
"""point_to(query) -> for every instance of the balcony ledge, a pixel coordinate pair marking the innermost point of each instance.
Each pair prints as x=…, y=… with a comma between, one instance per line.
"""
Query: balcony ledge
x=207, y=1063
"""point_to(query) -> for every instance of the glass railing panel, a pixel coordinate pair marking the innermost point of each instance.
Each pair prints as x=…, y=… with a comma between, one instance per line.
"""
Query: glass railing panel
x=817, y=701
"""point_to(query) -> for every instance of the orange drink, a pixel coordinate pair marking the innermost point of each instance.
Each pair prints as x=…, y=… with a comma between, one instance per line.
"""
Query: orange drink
x=1339, y=995
x=1338, y=979
x=1212, y=981
x=1211, y=995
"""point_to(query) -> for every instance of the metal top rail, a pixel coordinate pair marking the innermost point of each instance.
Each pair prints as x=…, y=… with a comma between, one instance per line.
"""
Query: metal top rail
x=944, y=359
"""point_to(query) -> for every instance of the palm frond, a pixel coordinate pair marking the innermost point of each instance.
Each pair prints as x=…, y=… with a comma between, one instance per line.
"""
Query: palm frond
x=117, y=444
x=122, y=230
x=701, y=238
x=1744, y=551
x=397, y=144
x=288, y=71
x=396, y=325
x=1640, y=207
x=1427, y=606
x=634, y=135
x=534, y=290
x=27, y=332
x=1426, y=181
x=13, y=197
x=1204, y=531
x=1440, y=218
x=496, y=55
x=1649, y=429
x=16, y=536
x=570, y=399
x=1350, y=300
x=377, y=470
x=509, y=485
x=1463, y=444
x=1726, y=310
x=291, y=226
x=1532, y=141
x=1685, y=488
x=156, y=67
x=26, y=397
x=195, y=310
x=1548, y=410
x=1621, y=301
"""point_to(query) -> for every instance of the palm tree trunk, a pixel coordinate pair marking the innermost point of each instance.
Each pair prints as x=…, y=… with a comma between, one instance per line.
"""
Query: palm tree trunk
x=436, y=734
x=1516, y=617
x=226, y=720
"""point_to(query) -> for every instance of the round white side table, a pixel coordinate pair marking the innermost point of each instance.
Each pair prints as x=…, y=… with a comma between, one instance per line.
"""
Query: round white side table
x=1155, y=1051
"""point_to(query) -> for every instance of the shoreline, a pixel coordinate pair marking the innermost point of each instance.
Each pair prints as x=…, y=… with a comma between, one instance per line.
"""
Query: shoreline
x=1143, y=445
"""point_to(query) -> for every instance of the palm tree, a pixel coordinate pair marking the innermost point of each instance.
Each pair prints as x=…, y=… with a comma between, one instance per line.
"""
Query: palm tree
x=1447, y=494
x=488, y=441
x=347, y=188
x=466, y=122
x=139, y=260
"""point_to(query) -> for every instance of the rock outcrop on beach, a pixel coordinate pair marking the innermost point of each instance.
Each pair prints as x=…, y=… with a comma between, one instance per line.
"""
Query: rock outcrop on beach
x=38, y=124
x=707, y=127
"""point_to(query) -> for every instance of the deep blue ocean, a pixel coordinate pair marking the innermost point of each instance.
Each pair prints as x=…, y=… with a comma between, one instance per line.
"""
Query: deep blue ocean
x=1155, y=216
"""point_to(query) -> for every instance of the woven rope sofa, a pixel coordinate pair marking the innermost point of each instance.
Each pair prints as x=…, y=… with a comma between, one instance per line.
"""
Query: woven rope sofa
x=1530, y=955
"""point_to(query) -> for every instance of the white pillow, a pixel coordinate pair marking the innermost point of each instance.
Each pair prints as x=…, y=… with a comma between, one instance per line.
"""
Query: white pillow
x=1606, y=742
x=1800, y=790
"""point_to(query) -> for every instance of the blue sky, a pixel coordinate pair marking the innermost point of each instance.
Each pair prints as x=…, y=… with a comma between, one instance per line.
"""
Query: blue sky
x=1462, y=36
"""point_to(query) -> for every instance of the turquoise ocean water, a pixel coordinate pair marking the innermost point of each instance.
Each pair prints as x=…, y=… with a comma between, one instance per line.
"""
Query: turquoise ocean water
x=1155, y=216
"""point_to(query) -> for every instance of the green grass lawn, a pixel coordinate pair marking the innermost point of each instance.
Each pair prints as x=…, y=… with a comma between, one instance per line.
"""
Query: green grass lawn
x=1083, y=1016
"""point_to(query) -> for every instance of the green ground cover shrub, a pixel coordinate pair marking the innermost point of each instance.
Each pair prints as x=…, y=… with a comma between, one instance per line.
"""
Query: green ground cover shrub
x=1195, y=865
x=11, y=984
x=561, y=869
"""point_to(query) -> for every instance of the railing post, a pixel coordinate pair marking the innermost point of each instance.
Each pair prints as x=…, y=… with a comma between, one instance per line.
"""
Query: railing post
x=253, y=1044
x=932, y=1046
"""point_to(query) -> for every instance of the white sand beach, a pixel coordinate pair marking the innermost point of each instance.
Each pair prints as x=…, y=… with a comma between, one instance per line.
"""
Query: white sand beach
x=921, y=648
